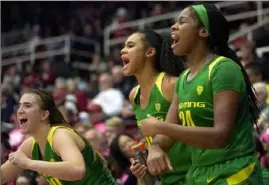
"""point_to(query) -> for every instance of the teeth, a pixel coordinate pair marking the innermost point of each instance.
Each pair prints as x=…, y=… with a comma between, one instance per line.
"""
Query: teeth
x=174, y=37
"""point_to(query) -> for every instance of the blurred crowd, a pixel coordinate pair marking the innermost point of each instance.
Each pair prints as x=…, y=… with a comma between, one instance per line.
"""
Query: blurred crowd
x=96, y=103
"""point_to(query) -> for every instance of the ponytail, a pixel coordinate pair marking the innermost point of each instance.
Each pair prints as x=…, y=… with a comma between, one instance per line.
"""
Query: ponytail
x=170, y=63
x=56, y=117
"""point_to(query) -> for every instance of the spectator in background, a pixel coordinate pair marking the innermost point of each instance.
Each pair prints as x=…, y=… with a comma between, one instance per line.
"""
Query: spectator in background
x=96, y=116
x=29, y=77
x=110, y=99
x=8, y=103
x=120, y=153
x=98, y=65
x=47, y=74
x=81, y=96
x=41, y=180
x=93, y=84
x=26, y=177
x=60, y=85
x=97, y=140
x=247, y=53
x=71, y=107
x=124, y=84
x=114, y=126
x=254, y=72
x=261, y=93
x=121, y=17
x=71, y=86
x=12, y=77
x=81, y=128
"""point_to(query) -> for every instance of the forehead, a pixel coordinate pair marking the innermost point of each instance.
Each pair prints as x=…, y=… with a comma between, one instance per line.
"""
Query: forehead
x=187, y=13
x=136, y=37
x=29, y=98
x=124, y=139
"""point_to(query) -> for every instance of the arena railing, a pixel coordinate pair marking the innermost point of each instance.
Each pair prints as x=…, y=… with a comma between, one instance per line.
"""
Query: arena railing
x=140, y=24
x=54, y=46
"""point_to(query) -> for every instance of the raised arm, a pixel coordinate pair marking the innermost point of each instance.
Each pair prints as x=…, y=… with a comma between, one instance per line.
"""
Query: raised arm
x=72, y=167
x=10, y=171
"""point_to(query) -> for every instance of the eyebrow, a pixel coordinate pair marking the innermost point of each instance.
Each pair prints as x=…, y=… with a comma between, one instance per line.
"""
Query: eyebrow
x=129, y=42
x=181, y=17
x=24, y=103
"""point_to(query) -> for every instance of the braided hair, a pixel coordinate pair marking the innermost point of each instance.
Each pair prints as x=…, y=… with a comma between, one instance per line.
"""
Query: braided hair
x=218, y=28
x=165, y=60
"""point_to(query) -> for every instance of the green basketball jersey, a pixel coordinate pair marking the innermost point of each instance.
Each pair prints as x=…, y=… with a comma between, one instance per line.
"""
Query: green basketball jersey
x=96, y=171
x=196, y=108
x=158, y=107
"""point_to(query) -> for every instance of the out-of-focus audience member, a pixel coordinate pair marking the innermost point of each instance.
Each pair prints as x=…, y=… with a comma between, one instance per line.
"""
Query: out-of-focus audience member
x=261, y=93
x=12, y=76
x=97, y=140
x=124, y=84
x=26, y=177
x=81, y=95
x=41, y=180
x=254, y=72
x=114, y=126
x=120, y=155
x=47, y=74
x=81, y=128
x=247, y=53
x=8, y=103
x=96, y=117
x=110, y=99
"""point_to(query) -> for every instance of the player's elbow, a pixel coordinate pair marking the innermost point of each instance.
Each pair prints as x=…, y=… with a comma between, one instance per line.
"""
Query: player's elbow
x=221, y=139
x=78, y=173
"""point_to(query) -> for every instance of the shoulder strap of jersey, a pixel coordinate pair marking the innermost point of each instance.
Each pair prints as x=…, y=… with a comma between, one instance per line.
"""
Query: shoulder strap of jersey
x=136, y=95
x=52, y=131
x=182, y=77
x=211, y=66
x=159, y=81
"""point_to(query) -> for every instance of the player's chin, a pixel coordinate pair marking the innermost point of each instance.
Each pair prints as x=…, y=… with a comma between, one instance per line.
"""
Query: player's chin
x=127, y=73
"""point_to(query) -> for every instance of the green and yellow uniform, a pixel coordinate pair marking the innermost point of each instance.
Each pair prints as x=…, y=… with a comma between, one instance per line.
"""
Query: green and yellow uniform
x=158, y=107
x=236, y=163
x=96, y=171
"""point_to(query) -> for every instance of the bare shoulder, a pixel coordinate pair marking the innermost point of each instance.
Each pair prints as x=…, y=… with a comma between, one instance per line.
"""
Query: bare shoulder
x=63, y=133
x=171, y=80
x=168, y=86
x=132, y=94
x=66, y=137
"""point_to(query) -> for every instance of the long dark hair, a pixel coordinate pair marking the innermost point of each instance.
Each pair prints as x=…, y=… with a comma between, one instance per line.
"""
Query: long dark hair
x=122, y=161
x=165, y=60
x=218, y=40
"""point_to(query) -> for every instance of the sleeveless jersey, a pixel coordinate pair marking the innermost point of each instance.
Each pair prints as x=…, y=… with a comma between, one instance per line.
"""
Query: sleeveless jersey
x=196, y=109
x=96, y=171
x=158, y=107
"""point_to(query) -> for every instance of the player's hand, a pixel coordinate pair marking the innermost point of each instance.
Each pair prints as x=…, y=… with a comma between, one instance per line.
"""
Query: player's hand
x=20, y=159
x=149, y=126
x=139, y=170
x=158, y=162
